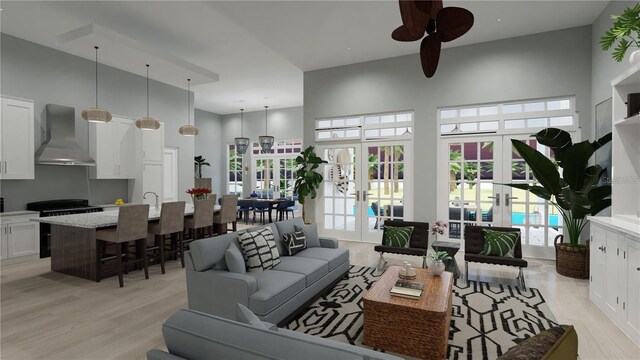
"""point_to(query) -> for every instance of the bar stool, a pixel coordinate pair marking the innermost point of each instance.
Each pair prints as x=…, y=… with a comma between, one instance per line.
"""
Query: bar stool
x=228, y=214
x=132, y=226
x=202, y=218
x=171, y=223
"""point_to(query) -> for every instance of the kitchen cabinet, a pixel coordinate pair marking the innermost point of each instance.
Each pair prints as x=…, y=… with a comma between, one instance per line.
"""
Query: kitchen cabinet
x=16, y=136
x=113, y=147
x=153, y=144
x=19, y=239
x=149, y=174
x=615, y=274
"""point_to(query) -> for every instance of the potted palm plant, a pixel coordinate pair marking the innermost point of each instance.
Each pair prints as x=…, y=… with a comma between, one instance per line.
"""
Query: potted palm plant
x=308, y=180
x=626, y=31
x=199, y=162
x=576, y=193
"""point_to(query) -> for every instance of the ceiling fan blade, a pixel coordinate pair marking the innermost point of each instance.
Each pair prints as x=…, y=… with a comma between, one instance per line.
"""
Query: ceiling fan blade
x=453, y=22
x=402, y=34
x=413, y=18
x=431, y=7
x=430, y=54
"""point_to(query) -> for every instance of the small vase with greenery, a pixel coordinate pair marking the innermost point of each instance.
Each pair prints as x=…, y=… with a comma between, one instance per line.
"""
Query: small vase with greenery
x=199, y=162
x=438, y=258
x=576, y=193
x=626, y=29
x=308, y=180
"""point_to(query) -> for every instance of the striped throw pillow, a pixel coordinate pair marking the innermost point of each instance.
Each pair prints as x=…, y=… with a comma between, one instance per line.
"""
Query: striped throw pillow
x=397, y=236
x=499, y=243
x=259, y=249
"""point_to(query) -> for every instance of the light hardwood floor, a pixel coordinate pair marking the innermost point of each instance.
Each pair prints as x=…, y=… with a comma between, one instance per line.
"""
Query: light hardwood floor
x=46, y=315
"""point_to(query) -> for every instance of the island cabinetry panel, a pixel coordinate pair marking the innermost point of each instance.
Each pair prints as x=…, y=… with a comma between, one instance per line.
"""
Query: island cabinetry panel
x=113, y=147
x=16, y=139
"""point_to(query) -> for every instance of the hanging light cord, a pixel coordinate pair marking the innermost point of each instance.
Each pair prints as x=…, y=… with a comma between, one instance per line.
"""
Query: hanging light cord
x=189, y=101
x=241, y=123
x=266, y=121
x=96, y=75
x=147, y=90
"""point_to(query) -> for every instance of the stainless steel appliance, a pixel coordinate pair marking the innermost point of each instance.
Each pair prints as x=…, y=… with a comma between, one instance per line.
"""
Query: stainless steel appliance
x=56, y=208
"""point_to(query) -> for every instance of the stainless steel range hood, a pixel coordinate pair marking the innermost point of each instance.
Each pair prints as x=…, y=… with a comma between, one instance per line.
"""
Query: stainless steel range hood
x=60, y=147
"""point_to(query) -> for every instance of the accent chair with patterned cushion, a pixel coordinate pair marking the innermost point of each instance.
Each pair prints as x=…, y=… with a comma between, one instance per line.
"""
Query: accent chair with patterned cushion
x=418, y=243
x=474, y=245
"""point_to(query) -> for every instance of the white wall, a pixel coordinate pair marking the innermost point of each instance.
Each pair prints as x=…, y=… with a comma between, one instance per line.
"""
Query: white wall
x=537, y=66
x=209, y=145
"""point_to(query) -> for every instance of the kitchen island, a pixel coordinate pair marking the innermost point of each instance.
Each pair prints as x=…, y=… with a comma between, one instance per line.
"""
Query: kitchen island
x=73, y=240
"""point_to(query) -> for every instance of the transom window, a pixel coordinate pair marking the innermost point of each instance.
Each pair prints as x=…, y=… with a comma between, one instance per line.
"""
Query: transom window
x=366, y=127
x=509, y=117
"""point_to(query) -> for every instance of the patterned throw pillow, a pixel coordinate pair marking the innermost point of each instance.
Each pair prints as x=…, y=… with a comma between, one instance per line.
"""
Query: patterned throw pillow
x=536, y=347
x=294, y=242
x=499, y=243
x=260, y=250
x=397, y=236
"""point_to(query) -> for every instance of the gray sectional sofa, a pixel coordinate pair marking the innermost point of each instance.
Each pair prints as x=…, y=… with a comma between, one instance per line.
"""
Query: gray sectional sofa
x=273, y=295
x=194, y=335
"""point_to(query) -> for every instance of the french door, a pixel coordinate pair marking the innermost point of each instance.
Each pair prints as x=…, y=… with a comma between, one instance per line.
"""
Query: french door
x=472, y=170
x=364, y=184
x=274, y=177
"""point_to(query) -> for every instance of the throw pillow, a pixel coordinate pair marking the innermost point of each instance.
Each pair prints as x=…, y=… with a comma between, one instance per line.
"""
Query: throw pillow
x=499, y=243
x=397, y=236
x=311, y=234
x=294, y=242
x=246, y=316
x=260, y=250
x=234, y=259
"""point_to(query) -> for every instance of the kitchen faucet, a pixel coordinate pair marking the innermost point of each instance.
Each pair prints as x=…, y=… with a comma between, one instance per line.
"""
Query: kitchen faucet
x=144, y=196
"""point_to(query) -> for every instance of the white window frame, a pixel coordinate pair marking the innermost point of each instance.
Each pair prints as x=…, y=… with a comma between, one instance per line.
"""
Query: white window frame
x=242, y=170
x=407, y=128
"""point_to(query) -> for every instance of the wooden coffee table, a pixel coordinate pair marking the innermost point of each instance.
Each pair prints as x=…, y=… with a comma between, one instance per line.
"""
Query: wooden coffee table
x=415, y=327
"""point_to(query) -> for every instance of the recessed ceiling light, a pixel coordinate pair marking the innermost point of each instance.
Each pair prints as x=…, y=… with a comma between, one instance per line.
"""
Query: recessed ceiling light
x=499, y=20
x=348, y=48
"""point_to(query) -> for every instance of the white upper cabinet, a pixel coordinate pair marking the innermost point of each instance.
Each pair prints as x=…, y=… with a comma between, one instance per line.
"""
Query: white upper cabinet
x=153, y=144
x=16, y=135
x=113, y=147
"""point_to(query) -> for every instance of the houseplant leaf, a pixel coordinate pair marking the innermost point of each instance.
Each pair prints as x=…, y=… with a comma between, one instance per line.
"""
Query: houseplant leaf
x=574, y=170
x=556, y=139
x=543, y=169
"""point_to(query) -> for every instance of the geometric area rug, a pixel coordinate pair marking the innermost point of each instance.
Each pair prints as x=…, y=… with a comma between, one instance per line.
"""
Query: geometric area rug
x=487, y=319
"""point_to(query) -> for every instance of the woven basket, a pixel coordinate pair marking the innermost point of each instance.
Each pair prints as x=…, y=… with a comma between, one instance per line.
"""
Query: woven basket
x=572, y=261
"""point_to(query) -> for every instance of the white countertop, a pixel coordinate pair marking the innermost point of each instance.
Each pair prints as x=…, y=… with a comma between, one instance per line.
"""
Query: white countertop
x=621, y=224
x=19, y=213
x=106, y=218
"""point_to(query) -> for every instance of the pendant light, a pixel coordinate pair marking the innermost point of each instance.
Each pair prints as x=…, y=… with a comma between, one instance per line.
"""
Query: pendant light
x=146, y=122
x=96, y=114
x=242, y=143
x=188, y=130
x=266, y=141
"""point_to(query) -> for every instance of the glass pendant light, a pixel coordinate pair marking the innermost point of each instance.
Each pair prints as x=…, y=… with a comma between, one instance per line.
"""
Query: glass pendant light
x=188, y=130
x=266, y=141
x=96, y=114
x=242, y=143
x=146, y=122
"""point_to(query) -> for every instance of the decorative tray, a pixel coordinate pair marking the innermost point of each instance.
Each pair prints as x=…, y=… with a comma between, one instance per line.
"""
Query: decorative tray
x=402, y=274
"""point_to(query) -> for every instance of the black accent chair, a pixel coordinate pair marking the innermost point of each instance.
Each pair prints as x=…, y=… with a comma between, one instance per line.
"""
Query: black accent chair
x=473, y=244
x=418, y=243
x=377, y=212
x=398, y=211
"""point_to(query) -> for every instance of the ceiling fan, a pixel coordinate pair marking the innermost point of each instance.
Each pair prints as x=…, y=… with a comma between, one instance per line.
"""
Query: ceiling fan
x=440, y=24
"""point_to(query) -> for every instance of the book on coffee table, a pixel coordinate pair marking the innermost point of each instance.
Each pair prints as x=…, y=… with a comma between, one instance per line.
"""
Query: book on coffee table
x=408, y=289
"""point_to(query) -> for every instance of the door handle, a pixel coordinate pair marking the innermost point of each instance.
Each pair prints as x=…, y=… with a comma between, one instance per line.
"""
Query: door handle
x=497, y=198
x=357, y=194
x=365, y=195
x=507, y=198
x=601, y=248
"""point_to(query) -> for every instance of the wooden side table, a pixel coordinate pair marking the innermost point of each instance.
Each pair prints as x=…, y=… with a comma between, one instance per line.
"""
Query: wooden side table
x=414, y=327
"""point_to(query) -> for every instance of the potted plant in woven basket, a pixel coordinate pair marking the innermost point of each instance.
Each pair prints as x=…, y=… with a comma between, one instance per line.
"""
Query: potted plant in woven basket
x=576, y=193
x=308, y=179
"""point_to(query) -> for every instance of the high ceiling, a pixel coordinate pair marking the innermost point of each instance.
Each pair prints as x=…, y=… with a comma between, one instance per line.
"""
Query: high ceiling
x=253, y=53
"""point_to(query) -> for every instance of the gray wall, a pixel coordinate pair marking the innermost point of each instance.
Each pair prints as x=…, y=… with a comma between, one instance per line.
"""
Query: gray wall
x=536, y=66
x=48, y=76
x=285, y=123
x=209, y=144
